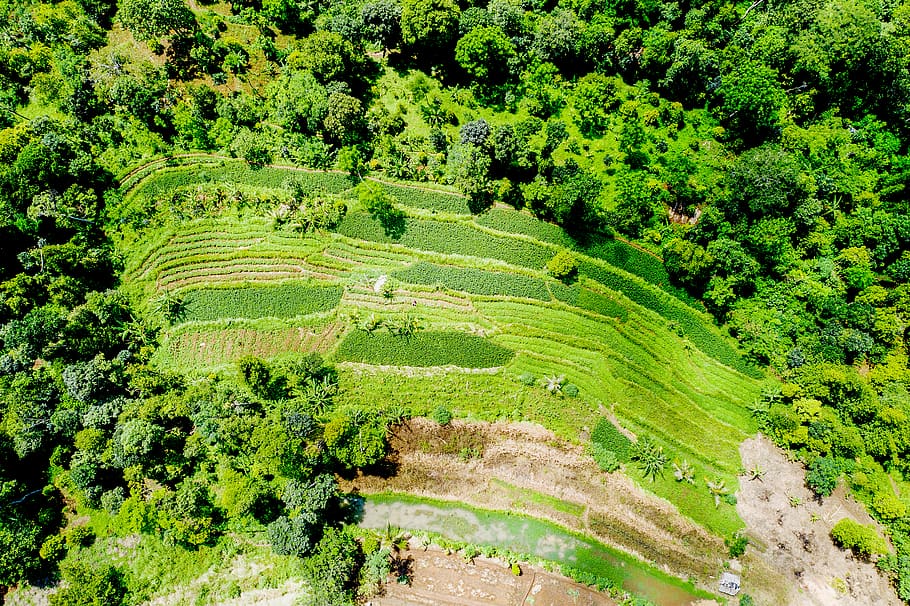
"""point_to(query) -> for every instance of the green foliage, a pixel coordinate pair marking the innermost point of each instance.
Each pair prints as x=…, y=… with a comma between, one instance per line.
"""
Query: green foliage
x=822, y=476
x=475, y=281
x=610, y=438
x=88, y=584
x=606, y=459
x=448, y=238
x=863, y=540
x=563, y=266
x=650, y=457
x=286, y=300
x=442, y=415
x=422, y=349
x=332, y=568
x=737, y=545
x=485, y=54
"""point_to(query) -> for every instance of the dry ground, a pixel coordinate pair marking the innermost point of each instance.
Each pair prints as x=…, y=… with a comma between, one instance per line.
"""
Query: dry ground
x=441, y=579
x=784, y=537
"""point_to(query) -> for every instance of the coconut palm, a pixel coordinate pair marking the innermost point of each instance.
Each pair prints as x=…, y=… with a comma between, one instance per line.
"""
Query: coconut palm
x=553, y=384
x=651, y=458
x=718, y=489
x=684, y=472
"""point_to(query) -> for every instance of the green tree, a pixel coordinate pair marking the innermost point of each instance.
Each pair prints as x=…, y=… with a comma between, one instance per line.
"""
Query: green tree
x=382, y=20
x=862, y=540
x=429, y=27
x=822, y=476
x=151, y=19
x=485, y=53
x=333, y=566
x=86, y=584
x=752, y=98
x=595, y=95
x=563, y=265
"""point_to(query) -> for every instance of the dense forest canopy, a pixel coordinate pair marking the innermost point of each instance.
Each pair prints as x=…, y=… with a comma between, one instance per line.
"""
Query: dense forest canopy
x=760, y=148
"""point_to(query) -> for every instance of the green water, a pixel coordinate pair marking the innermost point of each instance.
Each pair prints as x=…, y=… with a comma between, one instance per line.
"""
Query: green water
x=530, y=536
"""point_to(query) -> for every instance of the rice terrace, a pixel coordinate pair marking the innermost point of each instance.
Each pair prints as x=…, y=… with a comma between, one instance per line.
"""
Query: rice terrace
x=427, y=308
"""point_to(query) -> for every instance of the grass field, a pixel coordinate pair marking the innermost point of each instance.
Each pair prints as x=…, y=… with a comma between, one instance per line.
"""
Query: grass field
x=473, y=293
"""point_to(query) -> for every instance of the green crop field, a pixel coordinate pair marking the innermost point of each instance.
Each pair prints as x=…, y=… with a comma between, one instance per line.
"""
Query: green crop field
x=449, y=290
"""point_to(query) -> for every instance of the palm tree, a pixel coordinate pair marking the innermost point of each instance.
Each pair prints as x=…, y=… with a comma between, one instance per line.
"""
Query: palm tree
x=651, y=458
x=554, y=383
x=718, y=489
x=684, y=472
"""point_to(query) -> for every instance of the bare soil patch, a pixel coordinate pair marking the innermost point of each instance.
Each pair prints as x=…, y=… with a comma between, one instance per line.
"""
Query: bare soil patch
x=441, y=579
x=795, y=541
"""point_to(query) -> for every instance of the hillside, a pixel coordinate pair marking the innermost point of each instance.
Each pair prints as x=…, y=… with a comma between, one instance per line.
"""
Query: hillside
x=561, y=284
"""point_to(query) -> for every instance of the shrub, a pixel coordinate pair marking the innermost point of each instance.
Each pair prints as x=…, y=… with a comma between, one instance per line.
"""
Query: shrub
x=610, y=438
x=563, y=266
x=527, y=378
x=570, y=389
x=442, y=415
x=864, y=541
x=606, y=459
x=822, y=476
x=85, y=584
x=736, y=544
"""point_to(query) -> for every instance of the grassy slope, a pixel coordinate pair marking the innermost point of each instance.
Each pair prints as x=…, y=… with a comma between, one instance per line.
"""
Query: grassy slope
x=462, y=274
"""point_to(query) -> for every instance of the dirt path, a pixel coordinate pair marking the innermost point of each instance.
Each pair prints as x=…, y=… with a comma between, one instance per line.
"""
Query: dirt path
x=523, y=467
x=797, y=548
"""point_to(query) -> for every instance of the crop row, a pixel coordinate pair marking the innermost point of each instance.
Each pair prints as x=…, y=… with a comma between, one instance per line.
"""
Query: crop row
x=516, y=222
x=475, y=281
x=431, y=200
x=207, y=348
x=234, y=171
x=456, y=238
x=286, y=300
x=710, y=342
x=422, y=349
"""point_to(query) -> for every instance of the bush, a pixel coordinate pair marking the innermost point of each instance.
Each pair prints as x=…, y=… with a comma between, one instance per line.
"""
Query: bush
x=563, y=266
x=606, y=459
x=607, y=436
x=442, y=415
x=864, y=541
x=85, y=584
x=570, y=389
x=737, y=545
x=822, y=476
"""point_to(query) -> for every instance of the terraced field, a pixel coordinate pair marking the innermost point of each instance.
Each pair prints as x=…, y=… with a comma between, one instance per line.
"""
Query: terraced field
x=449, y=292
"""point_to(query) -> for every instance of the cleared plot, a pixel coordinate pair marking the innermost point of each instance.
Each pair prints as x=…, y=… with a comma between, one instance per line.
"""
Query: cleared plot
x=454, y=238
x=286, y=300
x=475, y=281
x=213, y=346
x=429, y=348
